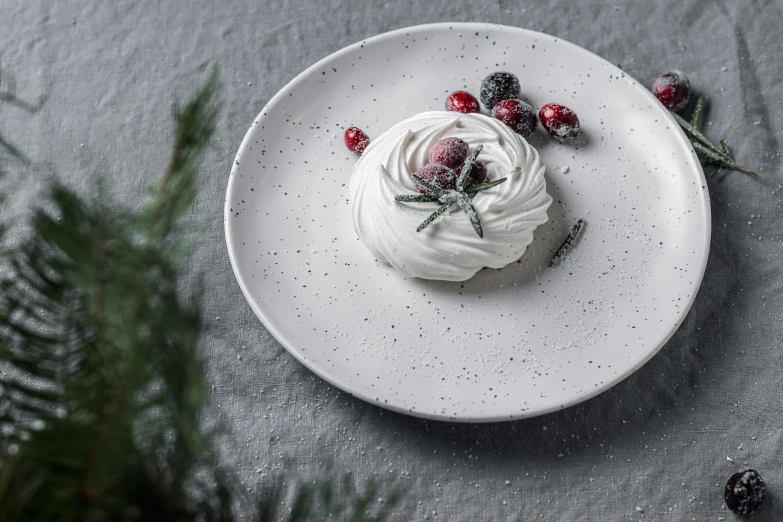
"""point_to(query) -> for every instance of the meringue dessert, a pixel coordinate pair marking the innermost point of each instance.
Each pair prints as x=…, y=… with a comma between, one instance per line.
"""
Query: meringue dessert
x=488, y=225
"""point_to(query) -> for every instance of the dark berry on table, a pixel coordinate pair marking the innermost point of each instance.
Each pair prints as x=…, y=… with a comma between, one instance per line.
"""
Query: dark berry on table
x=437, y=174
x=497, y=87
x=745, y=492
x=462, y=101
x=518, y=115
x=673, y=90
x=451, y=152
x=478, y=174
x=559, y=121
x=356, y=140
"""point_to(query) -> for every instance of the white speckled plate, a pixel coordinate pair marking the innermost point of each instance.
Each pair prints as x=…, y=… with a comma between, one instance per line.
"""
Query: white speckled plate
x=510, y=343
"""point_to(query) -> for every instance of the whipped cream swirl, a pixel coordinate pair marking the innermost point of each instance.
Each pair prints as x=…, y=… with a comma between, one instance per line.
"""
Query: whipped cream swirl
x=448, y=249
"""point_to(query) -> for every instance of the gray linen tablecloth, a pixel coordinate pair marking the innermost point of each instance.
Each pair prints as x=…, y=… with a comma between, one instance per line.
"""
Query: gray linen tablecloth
x=658, y=446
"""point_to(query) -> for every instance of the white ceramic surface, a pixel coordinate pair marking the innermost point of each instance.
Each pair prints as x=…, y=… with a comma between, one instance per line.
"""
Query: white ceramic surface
x=506, y=344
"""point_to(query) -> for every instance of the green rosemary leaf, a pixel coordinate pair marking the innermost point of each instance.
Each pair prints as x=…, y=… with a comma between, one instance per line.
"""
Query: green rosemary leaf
x=484, y=186
x=694, y=133
x=467, y=167
x=697, y=110
x=416, y=198
x=464, y=204
x=424, y=183
x=449, y=194
x=707, y=156
x=566, y=245
x=721, y=160
x=705, y=149
x=435, y=215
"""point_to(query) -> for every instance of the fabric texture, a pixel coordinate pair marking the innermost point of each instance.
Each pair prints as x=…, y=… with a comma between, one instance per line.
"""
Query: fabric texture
x=658, y=446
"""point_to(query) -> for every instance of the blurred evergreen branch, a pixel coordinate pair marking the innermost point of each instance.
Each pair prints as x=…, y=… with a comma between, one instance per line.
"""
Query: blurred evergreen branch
x=101, y=386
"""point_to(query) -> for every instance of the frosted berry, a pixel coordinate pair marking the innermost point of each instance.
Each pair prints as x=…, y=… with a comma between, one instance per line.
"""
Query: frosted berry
x=497, y=87
x=356, y=140
x=437, y=174
x=673, y=90
x=478, y=174
x=462, y=101
x=450, y=152
x=559, y=121
x=745, y=492
x=516, y=114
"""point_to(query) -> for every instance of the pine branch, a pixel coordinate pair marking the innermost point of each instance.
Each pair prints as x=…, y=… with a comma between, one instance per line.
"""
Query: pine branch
x=101, y=385
x=122, y=334
x=195, y=126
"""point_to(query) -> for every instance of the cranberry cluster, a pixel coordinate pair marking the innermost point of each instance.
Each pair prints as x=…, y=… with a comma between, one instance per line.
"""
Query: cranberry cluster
x=500, y=92
x=447, y=157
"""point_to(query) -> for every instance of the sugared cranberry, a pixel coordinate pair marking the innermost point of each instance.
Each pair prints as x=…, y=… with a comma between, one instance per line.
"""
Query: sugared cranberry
x=497, y=87
x=462, y=101
x=356, y=140
x=559, y=121
x=672, y=89
x=450, y=152
x=516, y=114
x=478, y=174
x=745, y=492
x=437, y=174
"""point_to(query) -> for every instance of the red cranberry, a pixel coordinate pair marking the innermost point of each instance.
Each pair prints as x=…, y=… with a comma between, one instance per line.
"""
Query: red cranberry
x=673, y=90
x=450, y=152
x=478, y=174
x=497, y=87
x=356, y=140
x=462, y=101
x=745, y=492
x=559, y=121
x=516, y=114
x=437, y=174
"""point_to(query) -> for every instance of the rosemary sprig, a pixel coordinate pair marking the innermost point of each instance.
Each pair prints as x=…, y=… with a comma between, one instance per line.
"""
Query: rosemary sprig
x=707, y=151
x=696, y=135
x=566, y=245
x=484, y=186
x=697, y=110
x=436, y=189
x=420, y=198
x=435, y=215
x=710, y=156
x=467, y=167
x=447, y=197
x=464, y=203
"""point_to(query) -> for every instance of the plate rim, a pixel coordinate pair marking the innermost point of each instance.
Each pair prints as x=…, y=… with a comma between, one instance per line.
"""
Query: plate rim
x=704, y=199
